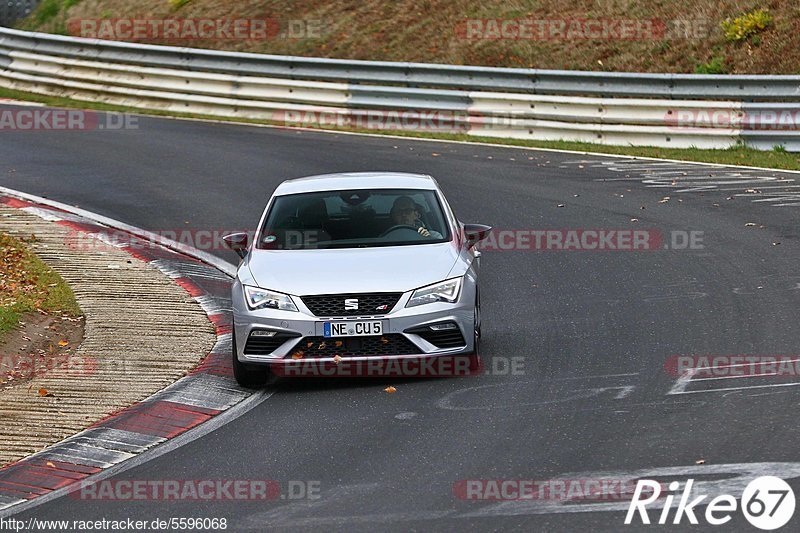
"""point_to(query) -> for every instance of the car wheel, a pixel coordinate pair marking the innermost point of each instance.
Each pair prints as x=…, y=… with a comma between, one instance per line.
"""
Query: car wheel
x=475, y=362
x=478, y=314
x=248, y=376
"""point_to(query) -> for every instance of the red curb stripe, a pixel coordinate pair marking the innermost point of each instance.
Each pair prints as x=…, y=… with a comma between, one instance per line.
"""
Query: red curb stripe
x=30, y=477
x=80, y=226
x=13, y=202
x=61, y=466
x=190, y=286
x=46, y=471
x=163, y=419
x=10, y=486
x=18, y=494
x=216, y=364
x=139, y=254
x=222, y=323
x=215, y=287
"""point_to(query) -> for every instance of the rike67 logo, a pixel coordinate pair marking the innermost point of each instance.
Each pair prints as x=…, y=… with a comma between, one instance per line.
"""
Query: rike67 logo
x=767, y=503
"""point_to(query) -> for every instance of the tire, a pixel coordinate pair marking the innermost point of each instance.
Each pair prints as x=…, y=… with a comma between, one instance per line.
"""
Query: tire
x=478, y=320
x=476, y=363
x=248, y=376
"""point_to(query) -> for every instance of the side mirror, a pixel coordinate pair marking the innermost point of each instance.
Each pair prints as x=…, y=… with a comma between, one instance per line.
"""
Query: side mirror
x=237, y=242
x=475, y=233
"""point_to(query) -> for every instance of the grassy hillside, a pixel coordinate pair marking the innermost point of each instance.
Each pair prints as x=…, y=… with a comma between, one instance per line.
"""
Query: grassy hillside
x=678, y=35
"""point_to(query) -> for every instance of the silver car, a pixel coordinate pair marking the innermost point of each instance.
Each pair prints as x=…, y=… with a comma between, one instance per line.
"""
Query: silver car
x=353, y=268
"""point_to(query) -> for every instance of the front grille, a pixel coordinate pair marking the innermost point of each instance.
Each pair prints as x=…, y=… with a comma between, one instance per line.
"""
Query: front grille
x=261, y=345
x=446, y=338
x=381, y=345
x=376, y=303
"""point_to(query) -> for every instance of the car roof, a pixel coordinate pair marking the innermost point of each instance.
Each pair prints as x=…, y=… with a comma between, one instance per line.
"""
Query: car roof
x=357, y=180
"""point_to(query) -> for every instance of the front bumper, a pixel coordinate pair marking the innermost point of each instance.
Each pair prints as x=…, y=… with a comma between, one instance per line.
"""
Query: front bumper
x=298, y=328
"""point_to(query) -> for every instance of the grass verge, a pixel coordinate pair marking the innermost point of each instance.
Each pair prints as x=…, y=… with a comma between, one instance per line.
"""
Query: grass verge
x=28, y=285
x=737, y=155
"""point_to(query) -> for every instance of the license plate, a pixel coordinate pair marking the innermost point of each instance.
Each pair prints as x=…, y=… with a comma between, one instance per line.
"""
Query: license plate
x=353, y=329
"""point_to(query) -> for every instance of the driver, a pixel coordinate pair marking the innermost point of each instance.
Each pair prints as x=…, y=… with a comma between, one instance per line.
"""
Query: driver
x=404, y=213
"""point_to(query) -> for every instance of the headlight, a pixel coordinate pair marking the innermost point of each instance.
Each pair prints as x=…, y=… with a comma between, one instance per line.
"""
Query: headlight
x=444, y=291
x=264, y=299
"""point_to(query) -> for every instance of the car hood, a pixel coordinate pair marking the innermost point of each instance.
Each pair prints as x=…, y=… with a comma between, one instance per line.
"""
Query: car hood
x=352, y=270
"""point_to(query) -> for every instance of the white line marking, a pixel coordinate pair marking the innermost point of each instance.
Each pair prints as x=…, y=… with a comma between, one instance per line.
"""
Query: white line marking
x=736, y=365
x=737, y=388
x=682, y=382
x=598, y=376
x=734, y=377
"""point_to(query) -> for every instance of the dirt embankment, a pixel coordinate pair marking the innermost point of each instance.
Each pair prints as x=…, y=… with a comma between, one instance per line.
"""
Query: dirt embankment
x=618, y=35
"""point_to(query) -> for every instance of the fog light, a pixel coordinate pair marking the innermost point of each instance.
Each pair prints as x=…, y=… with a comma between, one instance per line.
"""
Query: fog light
x=262, y=333
x=443, y=327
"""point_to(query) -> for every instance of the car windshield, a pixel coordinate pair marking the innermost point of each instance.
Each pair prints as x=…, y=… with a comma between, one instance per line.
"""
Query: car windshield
x=359, y=218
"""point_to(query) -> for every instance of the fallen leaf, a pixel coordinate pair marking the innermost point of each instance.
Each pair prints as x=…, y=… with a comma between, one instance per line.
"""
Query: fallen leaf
x=435, y=154
x=634, y=220
x=750, y=224
x=45, y=392
x=51, y=464
x=700, y=462
x=63, y=343
x=390, y=390
x=560, y=205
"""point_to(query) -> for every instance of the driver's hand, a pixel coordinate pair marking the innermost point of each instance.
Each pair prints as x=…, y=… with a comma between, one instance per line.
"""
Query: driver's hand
x=424, y=232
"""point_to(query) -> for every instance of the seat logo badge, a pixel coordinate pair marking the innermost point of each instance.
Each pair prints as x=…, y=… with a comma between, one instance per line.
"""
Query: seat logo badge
x=351, y=304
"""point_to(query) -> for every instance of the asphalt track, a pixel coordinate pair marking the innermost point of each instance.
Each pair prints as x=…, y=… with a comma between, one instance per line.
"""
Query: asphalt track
x=594, y=331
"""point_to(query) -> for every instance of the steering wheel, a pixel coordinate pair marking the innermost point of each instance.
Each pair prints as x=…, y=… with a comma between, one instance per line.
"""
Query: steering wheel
x=397, y=227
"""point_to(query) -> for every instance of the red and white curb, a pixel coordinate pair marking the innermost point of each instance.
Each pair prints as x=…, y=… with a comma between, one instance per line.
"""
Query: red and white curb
x=206, y=392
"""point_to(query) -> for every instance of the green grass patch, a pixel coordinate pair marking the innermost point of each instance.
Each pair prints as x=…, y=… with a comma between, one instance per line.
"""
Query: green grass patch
x=177, y=4
x=749, y=24
x=47, y=12
x=715, y=66
x=778, y=158
x=27, y=285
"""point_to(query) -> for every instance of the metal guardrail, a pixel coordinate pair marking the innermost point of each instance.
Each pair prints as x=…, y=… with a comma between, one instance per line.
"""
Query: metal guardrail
x=671, y=110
